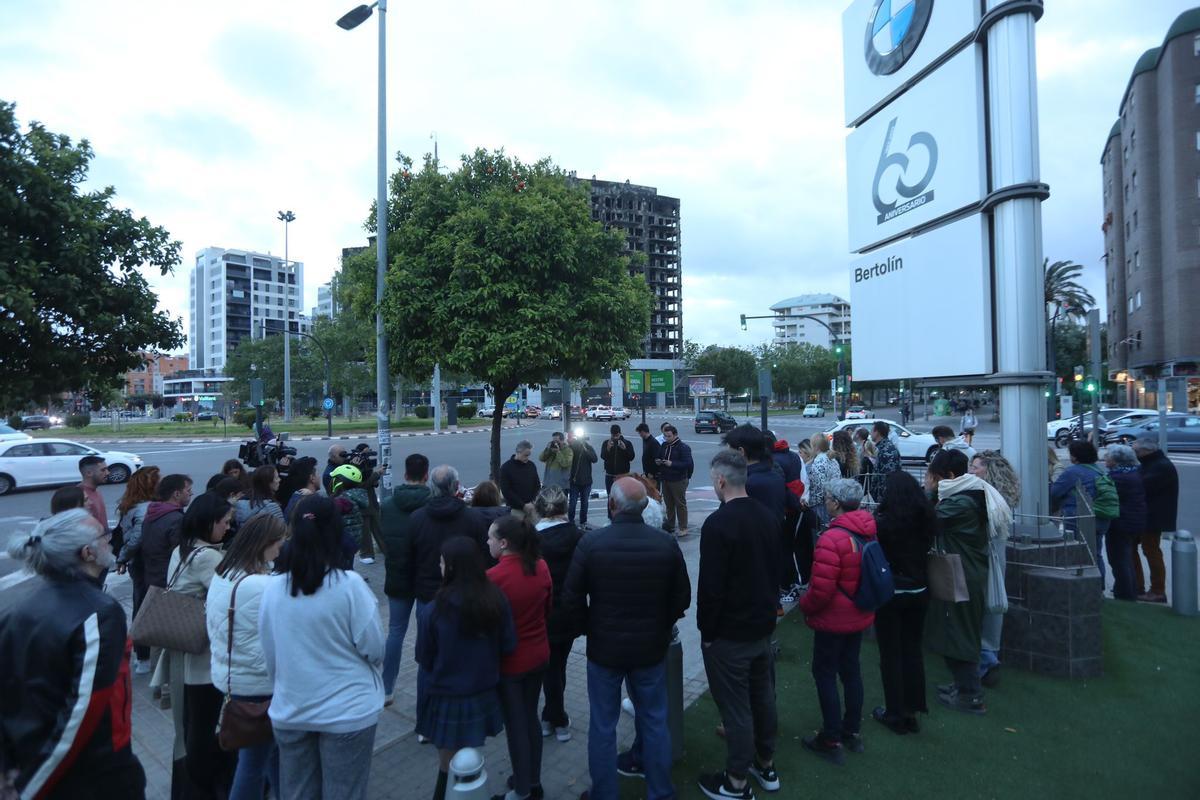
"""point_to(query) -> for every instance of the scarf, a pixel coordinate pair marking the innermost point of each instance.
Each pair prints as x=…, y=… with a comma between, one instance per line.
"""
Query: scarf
x=999, y=514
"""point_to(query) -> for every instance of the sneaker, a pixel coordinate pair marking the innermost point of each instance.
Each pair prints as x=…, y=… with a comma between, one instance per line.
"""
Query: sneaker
x=547, y=728
x=830, y=751
x=789, y=596
x=968, y=704
x=893, y=723
x=628, y=767
x=853, y=742
x=911, y=725
x=563, y=734
x=388, y=699
x=947, y=688
x=717, y=786
x=991, y=678
x=141, y=667
x=366, y=560
x=627, y=707
x=767, y=777
x=422, y=739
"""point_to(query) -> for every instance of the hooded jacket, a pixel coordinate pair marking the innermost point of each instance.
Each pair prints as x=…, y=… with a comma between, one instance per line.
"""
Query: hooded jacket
x=519, y=483
x=828, y=604
x=793, y=468
x=558, y=465
x=1160, y=479
x=766, y=485
x=680, y=456
x=432, y=524
x=160, y=536
x=395, y=524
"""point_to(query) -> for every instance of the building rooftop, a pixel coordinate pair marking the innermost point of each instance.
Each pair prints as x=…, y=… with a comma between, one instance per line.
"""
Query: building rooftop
x=1185, y=23
x=807, y=300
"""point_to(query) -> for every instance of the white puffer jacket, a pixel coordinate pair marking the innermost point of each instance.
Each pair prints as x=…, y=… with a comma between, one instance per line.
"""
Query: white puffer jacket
x=249, y=663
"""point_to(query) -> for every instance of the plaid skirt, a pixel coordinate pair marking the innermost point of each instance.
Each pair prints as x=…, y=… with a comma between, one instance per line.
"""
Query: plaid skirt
x=452, y=722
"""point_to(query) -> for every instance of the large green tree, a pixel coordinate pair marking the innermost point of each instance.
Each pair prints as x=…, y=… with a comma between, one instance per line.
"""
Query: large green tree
x=799, y=368
x=498, y=271
x=734, y=369
x=75, y=309
x=1063, y=289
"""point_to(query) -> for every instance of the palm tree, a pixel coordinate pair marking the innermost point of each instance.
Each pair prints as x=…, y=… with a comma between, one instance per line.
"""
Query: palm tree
x=1063, y=290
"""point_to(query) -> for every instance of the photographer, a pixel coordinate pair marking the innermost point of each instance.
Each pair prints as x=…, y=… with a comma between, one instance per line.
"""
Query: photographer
x=617, y=455
x=364, y=458
x=337, y=457
x=557, y=457
x=583, y=455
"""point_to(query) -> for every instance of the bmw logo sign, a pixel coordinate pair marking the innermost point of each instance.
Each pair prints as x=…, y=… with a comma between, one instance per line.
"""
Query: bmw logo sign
x=894, y=30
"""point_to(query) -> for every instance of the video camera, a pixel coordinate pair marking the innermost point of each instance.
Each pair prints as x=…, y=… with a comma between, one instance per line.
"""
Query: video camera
x=272, y=452
x=364, y=458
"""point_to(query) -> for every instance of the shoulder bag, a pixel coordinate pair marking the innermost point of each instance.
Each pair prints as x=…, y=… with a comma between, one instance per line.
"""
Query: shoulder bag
x=171, y=620
x=243, y=723
x=947, y=580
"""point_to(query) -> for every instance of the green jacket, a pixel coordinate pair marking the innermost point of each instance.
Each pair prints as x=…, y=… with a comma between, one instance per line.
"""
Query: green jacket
x=353, y=519
x=955, y=629
x=394, y=515
x=558, y=466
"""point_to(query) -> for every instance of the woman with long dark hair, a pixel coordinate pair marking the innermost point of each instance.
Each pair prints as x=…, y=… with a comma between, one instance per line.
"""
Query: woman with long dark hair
x=461, y=637
x=202, y=769
x=303, y=478
x=488, y=503
x=139, y=493
x=525, y=580
x=905, y=524
x=323, y=645
x=241, y=669
x=264, y=483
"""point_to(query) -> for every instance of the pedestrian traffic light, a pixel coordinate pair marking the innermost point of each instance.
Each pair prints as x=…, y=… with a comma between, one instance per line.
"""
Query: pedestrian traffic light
x=743, y=322
x=1090, y=386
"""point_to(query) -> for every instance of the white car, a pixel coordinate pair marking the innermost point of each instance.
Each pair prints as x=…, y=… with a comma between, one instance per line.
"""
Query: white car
x=8, y=434
x=600, y=412
x=551, y=412
x=1107, y=415
x=859, y=412
x=50, y=462
x=913, y=446
x=621, y=413
x=813, y=410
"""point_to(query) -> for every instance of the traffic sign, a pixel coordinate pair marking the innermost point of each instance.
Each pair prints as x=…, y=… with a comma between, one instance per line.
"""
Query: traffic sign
x=327, y=404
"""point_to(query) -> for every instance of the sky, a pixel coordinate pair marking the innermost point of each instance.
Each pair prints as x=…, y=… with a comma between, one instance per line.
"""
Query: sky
x=209, y=118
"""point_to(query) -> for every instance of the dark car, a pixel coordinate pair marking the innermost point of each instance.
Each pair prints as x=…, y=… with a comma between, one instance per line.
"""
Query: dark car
x=1183, y=432
x=714, y=422
x=35, y=422
x=207, y=415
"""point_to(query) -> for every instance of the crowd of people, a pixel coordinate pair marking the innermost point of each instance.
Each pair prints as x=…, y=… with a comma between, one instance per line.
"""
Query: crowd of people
x=503, y=584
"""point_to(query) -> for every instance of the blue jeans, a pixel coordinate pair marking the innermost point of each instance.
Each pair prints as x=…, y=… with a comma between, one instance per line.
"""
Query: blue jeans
x=256, y=764
x=399, y=613
x=578, y=494
x=331, y=766
x=648, y=690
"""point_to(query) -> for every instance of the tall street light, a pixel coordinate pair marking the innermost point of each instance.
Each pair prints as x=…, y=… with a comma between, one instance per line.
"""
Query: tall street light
x=352, y=19
x=287, y=217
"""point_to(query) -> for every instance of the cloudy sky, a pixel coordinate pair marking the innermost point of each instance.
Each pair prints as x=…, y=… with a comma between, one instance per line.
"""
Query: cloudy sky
x=209, y=117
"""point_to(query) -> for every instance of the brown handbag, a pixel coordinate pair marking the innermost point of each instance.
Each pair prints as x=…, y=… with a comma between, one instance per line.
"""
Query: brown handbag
x=947, y=581
x=243, y=723
x=171, y=620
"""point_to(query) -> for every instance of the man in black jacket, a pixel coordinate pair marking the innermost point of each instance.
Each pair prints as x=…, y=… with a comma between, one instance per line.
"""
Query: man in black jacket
x=442, y=517
x=582, y=459
x=617, y=455
x=1160, y=479
x=396, y=531
x=650, y=449
x=519, y=481
x=735, y=612
x=628, y=584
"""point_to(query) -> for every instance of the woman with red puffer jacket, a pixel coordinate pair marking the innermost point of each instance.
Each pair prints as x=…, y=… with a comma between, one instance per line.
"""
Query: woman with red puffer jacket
x=837, y=622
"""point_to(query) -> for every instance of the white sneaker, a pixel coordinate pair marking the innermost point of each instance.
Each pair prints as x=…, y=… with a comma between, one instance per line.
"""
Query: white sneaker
x=562, y=734
x=366, y=560
x=547, y=729
x=141, y=667
x=388, y=699
x=627, y=707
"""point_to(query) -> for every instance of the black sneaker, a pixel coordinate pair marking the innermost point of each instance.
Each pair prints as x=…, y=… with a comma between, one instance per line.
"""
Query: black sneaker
x=718, y=787
x=893, y=723
x=991, y=678
x=830, y=751
x=853, y=742
x=628, y=767
x=767, y=777
x=968, y=704
x=911, y=725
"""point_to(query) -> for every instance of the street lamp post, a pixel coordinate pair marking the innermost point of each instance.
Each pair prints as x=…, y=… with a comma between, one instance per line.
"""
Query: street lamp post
x=287, y=217
x=352, y=19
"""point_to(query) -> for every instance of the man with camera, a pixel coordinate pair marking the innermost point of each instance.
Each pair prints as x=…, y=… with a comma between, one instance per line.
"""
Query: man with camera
x=617, y=455
x=557, y=457
x=363, y=458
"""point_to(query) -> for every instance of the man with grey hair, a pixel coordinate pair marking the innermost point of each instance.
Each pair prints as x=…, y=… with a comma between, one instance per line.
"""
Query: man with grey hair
x=519, y=482
x=67, y=638
x=1160, y=480
x=740, y=564
x=627, y=585
x=1130, y=524
x=337, y=457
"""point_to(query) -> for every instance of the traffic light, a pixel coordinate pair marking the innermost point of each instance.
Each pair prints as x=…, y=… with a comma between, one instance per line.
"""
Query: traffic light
x=1079, y=373
x=743, y=322
x=838, y=349
x=1090, y=386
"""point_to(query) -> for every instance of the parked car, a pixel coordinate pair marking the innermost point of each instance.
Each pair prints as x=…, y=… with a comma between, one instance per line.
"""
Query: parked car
x=620, y=412
x=859, y=412
x=532, y=412
x=48, y=462
x=1183, y=432
x=600, y=413
x=209, y=415
x=551, y=412
x=8, y=434
x=1106, y=415
x=35, y=422
x=913, y=446
x=486, y=411
x=813, y=410
x=714, y=422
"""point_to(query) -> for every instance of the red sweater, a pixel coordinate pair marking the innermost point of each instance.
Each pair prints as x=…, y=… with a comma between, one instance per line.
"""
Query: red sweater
x=530, y=597
x=837, y=564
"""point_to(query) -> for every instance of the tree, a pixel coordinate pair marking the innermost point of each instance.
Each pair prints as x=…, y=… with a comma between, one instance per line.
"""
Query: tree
x=733, y=368
x=691, y=352
x=498, y=271
x=75, y=311
x=1063, y=290
x=797, y=368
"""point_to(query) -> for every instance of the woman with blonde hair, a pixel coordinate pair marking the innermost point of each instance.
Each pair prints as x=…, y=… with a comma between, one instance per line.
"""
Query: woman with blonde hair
x=821, y=470
x=139, y=493
x=842, y=450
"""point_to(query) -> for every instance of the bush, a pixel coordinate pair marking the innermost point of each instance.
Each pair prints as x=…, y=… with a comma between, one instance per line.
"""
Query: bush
x=313, y=412
x=423, y=412
x=79, y=420
x=466, y=411
x=245, y=416
x=182, y=416
x=15, y=422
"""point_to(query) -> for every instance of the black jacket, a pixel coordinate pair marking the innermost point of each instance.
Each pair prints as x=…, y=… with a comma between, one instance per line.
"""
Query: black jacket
x=432, y=524
x=680, y=456
x=1161, y=482
x=1132, y=519
x=907, y=549
x=395, y=527
x=650, y=448
x=160, y=536
x=738, y=588
x=765, y=483
x=581, y=462
x=519, y=482
x=558, y=547
x=617, y=456
x=65, y=695
x=627, y=586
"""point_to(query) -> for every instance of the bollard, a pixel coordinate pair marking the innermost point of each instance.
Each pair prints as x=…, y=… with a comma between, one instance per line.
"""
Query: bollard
x=1183, y=574
x=467, y=779
x=675, y=694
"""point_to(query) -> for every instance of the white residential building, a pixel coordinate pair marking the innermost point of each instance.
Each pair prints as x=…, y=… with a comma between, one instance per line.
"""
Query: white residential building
x=239, y=294
x=327, y=303
x=828, y=308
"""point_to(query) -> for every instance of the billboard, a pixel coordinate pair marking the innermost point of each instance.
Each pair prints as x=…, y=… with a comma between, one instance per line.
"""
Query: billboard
x=700, y=384
x=887, y=44
x=922, y=305
x=920, y=158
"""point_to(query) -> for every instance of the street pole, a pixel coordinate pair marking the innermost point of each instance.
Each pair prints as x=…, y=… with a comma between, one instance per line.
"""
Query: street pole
x=1093, y=318
x=436, y=397
x=287, y=217
x=1161, y=397
x=382, y=416
x=1020, y=315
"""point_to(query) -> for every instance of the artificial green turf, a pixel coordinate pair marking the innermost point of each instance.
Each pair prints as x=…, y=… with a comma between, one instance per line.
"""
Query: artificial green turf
x=1130, y=733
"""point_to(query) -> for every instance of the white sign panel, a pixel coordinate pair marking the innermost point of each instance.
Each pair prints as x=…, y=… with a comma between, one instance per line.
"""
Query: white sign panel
x=886, y=43
x=922, y=306
x=920, y=158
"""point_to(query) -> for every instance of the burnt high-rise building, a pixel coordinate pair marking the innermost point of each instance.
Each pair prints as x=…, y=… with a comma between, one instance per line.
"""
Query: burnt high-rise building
x=650, y=222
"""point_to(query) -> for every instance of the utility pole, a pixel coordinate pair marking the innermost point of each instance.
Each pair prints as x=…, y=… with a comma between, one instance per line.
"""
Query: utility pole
x=287, y=217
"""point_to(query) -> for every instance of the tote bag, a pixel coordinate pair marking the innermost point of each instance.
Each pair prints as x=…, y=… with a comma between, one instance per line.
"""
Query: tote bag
x=171, y=620
x=947, y=580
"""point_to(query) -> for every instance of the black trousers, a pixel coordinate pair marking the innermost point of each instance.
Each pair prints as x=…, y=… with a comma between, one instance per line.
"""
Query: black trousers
x=554, y=685
x=209, y=768
x=519, y=699
x=899, y=626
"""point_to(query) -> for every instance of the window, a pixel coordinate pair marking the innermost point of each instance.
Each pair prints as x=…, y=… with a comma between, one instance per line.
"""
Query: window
x=1135, y=220
x=65, y=449
x=1139, y=299
x=1135, y=180
x=1127, y=193
x=1130, y=305
x=1125, y=155
x=1137, y=260
x=1128, y=267
x=1133, y=141
x=20, y=451
x=1198, y=94
x=1198, y=140
x=1126, y=229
